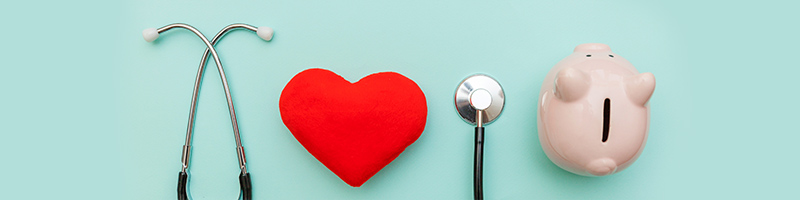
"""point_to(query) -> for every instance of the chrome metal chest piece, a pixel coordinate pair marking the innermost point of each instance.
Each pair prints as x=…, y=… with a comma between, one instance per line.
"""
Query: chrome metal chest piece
x=479, y=100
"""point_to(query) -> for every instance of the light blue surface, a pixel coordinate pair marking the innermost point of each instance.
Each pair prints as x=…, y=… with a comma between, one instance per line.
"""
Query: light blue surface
x=91, y=111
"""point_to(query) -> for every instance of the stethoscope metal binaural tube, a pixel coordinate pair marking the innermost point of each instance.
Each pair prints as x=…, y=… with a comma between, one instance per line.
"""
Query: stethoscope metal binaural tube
x=239, y=148
x=244, y=177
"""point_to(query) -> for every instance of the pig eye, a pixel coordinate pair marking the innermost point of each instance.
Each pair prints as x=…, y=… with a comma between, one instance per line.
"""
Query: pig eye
x=588, y=55
x=609, y=55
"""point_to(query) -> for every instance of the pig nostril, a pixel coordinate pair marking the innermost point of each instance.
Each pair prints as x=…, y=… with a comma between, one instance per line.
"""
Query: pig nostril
x=606, y=118
x=588, y=55
x=609, y=55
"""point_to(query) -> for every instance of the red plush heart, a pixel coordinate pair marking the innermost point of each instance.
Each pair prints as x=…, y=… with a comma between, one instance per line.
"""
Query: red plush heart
x=354, y=129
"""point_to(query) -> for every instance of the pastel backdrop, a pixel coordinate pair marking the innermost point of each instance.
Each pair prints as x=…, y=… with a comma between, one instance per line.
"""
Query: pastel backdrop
x=89, y=110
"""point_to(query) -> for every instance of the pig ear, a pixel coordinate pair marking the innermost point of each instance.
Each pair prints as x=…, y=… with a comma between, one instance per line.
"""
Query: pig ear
x=571, y=84
x=640, y=87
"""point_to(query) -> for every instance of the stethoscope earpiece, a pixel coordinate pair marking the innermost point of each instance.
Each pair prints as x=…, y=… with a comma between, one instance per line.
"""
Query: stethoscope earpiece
x=479, y=100
x=265, y=33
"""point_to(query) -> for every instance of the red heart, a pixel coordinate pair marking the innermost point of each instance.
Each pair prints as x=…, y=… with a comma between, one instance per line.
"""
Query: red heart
x=354, y=129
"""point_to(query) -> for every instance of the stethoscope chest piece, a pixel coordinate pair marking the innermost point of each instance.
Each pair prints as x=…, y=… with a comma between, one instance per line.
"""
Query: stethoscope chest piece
x=479, y=101
x=482, y=92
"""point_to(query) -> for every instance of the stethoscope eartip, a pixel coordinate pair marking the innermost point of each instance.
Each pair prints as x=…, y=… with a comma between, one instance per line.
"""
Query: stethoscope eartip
x=150, y=34
x=265, y=33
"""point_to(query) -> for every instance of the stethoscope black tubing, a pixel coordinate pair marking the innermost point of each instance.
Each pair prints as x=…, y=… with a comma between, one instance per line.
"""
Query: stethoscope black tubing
x=478, y=178
x=246, y=186
x=182, y=180
x=244, y=183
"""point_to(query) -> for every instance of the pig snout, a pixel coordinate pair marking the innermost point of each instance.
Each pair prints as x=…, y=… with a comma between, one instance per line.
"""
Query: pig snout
x=602, y=167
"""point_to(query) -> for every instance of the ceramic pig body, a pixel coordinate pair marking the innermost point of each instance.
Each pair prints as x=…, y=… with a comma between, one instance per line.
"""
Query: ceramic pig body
x=593, y=113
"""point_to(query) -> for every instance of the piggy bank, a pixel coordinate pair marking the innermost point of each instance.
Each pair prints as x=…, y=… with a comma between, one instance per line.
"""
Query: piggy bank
x=593, y=112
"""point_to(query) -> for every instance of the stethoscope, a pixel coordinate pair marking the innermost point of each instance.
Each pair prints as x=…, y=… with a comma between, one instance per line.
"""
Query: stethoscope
x=265, y=33
x=479, y=100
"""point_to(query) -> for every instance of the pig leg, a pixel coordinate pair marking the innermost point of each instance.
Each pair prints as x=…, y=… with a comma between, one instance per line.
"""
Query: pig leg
x=602, y=167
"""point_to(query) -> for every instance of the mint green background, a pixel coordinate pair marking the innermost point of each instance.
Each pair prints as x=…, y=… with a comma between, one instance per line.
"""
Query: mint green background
x=91, y=111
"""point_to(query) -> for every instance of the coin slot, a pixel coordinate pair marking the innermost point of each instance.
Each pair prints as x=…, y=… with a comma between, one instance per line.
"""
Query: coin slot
x=606, y=118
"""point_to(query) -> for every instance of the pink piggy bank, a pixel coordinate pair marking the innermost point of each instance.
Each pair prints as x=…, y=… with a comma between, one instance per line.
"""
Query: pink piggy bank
x=593, y=112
